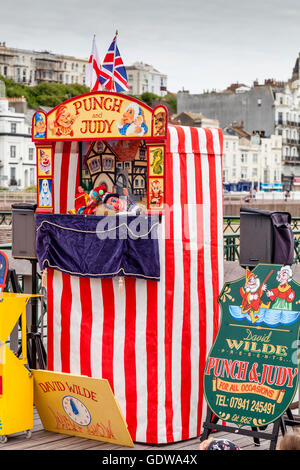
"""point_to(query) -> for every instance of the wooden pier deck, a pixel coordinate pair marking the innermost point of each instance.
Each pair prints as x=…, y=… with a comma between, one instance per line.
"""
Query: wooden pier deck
x=42, y=440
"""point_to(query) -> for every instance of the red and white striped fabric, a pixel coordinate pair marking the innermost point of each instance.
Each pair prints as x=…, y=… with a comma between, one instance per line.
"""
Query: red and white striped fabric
x=66, y=175
x=151, y=342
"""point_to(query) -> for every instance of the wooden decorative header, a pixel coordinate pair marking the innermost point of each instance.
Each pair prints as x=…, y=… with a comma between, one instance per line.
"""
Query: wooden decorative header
x=100, y=116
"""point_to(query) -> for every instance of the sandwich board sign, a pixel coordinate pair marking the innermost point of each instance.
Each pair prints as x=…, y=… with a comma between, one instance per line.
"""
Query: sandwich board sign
x=251, y=372
x=79, y=406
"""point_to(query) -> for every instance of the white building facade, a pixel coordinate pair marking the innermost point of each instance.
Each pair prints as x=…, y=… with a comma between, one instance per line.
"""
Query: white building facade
x=255, y=160
x=17, y=151
x=287, y=125
x=145, y=78
x=34, y=67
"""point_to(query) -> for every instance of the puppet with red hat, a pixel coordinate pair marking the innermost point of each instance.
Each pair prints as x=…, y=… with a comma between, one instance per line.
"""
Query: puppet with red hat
x=251, y=295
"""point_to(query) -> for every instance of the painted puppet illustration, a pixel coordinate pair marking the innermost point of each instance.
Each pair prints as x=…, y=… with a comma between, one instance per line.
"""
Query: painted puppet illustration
x=156, y=193
x=159, y=125
x=132, y=122
x=251, y=295
x=156, y=163
x=283, y=294
x=271, y=305
x=45, y=193
x=39, y=126
x=63, y=123
x=44, y=163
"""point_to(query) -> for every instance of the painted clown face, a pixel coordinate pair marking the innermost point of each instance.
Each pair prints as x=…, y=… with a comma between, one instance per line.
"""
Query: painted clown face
x=156, y=187
x=115, y=203
x=65, y=119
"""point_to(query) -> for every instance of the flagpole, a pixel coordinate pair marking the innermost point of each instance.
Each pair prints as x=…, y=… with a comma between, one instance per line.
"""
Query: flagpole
x=113, y=71
x=91, y=83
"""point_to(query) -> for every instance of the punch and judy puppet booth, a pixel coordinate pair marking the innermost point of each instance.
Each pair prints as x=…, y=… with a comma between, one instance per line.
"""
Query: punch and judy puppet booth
x=129, y=229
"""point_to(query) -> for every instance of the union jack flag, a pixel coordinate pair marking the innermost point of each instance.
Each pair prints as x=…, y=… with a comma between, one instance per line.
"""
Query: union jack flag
x=113, y=73
x=93, y=69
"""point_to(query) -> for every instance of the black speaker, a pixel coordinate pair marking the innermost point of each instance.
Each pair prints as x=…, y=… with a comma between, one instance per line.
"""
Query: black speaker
x=265, y=237
x=23, y=231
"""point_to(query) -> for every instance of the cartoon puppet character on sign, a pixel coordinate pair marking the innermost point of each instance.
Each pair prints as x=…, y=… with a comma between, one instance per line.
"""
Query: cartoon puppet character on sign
x=283, y=295
x=63, y=123
x=251, y=295
x=159, y=125
x=39, y=126
x=156, y=193
x=132, y=122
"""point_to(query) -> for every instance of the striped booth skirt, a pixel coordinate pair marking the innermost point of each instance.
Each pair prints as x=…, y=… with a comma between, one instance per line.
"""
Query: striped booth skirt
x=151, y=340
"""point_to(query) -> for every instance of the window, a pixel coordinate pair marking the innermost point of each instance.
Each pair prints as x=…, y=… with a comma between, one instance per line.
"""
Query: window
x=30, y=153
x=107, y=163
x=12, y=172
x=254, y=158
x=244, y=173
x=142, y=154
x=234, y=159
x=225, y=176
x=31, y=178
x=254, y=172
x=12, y=151
x=13, y=127
x=127, y=164
x=244, y=158
x=276, y=175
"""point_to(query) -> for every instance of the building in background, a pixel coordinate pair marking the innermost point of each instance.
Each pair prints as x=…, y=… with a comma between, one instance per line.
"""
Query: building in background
x=145, y=78
x=271, y=108
x=34, y=67
x=17, y=151
x=251, y=161
x=195, y=120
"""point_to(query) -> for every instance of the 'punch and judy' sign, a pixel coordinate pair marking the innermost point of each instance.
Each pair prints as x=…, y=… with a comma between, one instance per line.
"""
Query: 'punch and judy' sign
x=100, y=116
x=251, y=373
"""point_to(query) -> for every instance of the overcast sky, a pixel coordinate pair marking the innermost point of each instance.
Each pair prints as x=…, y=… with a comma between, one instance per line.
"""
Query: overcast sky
x=199, y=44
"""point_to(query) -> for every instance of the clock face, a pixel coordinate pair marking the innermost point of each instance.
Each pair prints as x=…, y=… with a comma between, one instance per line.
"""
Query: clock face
x=76, y=410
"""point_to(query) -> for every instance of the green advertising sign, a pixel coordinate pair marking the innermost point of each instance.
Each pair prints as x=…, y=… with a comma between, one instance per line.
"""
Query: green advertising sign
x=251, y=373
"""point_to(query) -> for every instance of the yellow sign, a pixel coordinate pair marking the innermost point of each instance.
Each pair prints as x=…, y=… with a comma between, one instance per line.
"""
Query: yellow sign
x=99, y=115
x=16, y=382
x=79, y=406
